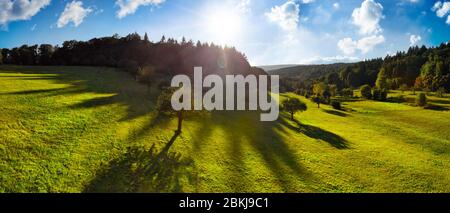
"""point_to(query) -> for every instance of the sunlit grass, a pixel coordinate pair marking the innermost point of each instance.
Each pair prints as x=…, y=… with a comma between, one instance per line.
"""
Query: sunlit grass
x=68, y=130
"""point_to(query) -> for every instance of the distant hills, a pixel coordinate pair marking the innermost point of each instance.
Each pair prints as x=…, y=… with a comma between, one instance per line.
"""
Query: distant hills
x=306, y=72
x=269, y=68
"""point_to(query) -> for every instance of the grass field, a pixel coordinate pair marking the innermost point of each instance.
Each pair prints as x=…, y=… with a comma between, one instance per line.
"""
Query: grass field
x=76, y=129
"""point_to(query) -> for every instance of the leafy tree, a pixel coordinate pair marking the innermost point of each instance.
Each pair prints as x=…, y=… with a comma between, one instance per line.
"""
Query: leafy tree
x=319, y=88
x=146, y=39
x=421, y=100
x=366, y=92
x=1, y=57
x=165, y=107
x=382, y=80
x=293, y=105
x=318, y=100
x=45, y=54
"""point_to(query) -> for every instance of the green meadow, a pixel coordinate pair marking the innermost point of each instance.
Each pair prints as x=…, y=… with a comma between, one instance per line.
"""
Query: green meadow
x=81, y=129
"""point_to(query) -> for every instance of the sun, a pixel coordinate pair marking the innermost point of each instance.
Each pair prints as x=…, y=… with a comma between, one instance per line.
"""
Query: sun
x=223, y=26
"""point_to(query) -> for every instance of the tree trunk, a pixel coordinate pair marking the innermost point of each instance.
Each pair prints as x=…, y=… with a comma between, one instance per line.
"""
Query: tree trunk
x=292, y=116
x=318, y=105
x=180, y=121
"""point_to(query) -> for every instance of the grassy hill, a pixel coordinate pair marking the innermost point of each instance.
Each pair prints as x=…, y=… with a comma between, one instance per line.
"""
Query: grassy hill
x=78, y=129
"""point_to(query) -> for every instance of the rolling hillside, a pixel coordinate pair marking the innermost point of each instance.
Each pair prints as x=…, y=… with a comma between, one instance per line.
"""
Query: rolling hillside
x=80, y=129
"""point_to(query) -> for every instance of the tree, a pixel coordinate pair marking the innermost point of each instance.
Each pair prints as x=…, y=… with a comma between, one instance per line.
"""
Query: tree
x=421, y=100
x=382, y=80
x=146, y=40
x=293, y=105
x=318, y=100
x=45, y=54
x=1, y=57
x=319, y=88
x=165, y=107
x=366, y=92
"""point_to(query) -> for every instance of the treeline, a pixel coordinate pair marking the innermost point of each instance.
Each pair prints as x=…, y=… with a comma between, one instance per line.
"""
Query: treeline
x=135, y=54
x=419, y=68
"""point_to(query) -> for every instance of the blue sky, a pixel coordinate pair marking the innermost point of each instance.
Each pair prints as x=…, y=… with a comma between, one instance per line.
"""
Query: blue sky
x=267, y=31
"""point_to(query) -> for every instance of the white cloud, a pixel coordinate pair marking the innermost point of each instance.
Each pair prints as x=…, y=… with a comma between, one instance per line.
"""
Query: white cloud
x=286, y=15
x=336, y=6
x=33, y=28
x=20, y=9
x=73, y=12
x=308, y=1
x=348, y=46
x=368, y=17
x=127, y=7
x=368, y=43
x=414, y=39
x=329, y=60
x=442, y=9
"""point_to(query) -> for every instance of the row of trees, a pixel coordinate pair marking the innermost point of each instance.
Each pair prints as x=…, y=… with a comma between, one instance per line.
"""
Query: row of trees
x=167, y=56
x=419, y=68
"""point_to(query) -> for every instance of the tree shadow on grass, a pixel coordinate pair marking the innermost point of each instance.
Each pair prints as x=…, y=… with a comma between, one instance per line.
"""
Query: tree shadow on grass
x=437, y=107
x=244, y=129
x=145, y=170
x=316, y=133
x=334, y=112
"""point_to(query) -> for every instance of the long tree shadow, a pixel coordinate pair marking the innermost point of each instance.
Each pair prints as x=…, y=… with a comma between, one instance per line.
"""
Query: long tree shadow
x=316, y=133
x=335, y=112
x=245, y=129
x=145, y=170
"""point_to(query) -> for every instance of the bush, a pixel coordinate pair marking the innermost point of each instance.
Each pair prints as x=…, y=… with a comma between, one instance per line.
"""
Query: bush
x=380, y=94
x=347, y=93
x=440, y=92
x=421, y=100
x=366, y=92
x=336, y=105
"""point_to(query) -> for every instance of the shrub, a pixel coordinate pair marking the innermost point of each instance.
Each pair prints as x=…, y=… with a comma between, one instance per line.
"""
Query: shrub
x=403, y=88
x=380, y=94
x=421, y=100
x=440, y=92
x=336, y=105
x=347, y=93
x=366, y=92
